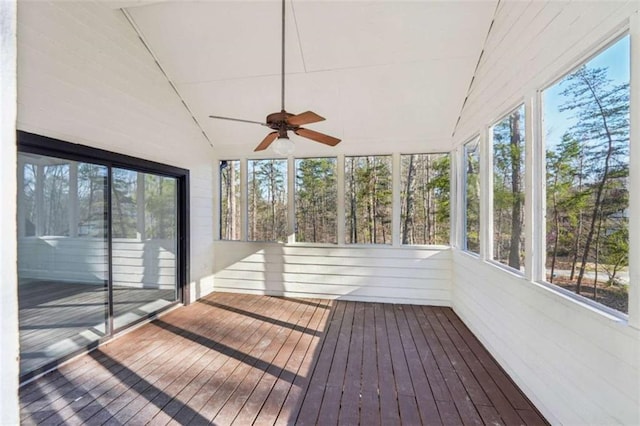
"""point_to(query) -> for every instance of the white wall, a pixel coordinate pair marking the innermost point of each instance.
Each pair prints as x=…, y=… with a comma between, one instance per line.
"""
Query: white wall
x=136, y=264
x=578, y=364
x=530, y=45
x=85, y=77
x=8, y=289
x=372, y=274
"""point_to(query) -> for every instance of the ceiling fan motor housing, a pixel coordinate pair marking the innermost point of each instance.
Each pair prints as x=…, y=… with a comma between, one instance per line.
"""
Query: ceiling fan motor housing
x=278, y=121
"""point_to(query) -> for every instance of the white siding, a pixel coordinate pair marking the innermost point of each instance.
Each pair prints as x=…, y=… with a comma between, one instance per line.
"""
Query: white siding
x=85, y=77
x=530, y=45
x=9, y=341
x=375, y=274
x=202, y=212
x=578, y=365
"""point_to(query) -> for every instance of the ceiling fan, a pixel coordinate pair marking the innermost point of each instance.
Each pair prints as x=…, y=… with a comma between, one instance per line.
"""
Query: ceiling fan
x=282, y=122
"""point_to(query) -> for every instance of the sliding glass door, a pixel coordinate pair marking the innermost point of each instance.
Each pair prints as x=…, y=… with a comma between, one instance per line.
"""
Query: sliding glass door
x=62, y=257
x=144, y=229
x=99, y=247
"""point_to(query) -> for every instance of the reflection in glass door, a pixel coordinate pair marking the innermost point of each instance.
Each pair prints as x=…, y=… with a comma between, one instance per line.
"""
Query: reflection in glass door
x=97, y=251
x=144, y=244
x=62, y=257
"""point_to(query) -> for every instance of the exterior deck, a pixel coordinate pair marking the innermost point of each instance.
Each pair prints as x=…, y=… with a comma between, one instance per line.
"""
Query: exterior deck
x=242, y=359
x=57, y=318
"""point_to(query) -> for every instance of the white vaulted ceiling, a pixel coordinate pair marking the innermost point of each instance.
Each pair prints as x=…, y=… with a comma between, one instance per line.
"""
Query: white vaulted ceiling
x=387, y=75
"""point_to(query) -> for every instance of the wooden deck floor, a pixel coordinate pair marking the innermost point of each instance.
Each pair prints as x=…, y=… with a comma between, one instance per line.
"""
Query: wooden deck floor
x=57, y=318
x=239, y=359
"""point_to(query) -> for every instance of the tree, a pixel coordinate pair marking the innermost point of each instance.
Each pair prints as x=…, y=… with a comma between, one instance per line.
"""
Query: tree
x=369, y=195
x=601, y=109
x=472, y=197
x=316, y=200
x=268, y=200
x=425, y=182
x=562, y=169
x=508, y=194
x=230, y=200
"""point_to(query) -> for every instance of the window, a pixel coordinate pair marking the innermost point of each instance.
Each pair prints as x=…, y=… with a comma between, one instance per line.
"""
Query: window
x=586, y=119
x=425, y=182
x=472, y=195
x=267, y=198
x=230, y=207
x=508, y=189
x=316, y=200
x=368, y=199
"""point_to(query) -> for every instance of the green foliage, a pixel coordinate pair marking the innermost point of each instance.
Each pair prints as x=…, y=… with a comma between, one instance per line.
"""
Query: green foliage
x=425, y=183
x=472, y=196
x=316, y=198
x=508, y=189
x=587, y=173
x=230, y=200
x=267, y=200
x=368, y=199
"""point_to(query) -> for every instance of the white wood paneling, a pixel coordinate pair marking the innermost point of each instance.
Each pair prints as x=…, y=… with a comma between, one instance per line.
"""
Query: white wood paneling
x=366, y=273
x=148, y=264
x=9, y=338
x=85, y=77
x=201, y=223
x=578, y=365
x=546, y=40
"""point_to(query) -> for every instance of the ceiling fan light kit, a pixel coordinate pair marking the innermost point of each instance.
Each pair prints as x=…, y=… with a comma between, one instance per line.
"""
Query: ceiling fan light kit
x=283, y=146
x=282, y=122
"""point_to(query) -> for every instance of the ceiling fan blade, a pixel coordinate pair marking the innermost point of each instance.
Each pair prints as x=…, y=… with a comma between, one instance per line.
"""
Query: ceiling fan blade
x=266, y=141
x=237, y=119
x=317, y=136
x=304, y=118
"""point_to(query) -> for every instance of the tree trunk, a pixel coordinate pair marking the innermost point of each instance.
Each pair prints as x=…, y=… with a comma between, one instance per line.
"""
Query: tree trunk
x=576, y=244
x=556, y=224
x=231, y=196
x=516, y=225
x=408, y=209
x=598, y=201
x=254, y=202
x=354, y=221
x=597, y=258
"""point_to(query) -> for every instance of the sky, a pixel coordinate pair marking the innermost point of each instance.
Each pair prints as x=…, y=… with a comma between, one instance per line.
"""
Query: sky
x=616, y=57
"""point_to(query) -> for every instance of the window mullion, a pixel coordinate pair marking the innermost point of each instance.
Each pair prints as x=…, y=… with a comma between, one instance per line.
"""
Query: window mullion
x=486, y=194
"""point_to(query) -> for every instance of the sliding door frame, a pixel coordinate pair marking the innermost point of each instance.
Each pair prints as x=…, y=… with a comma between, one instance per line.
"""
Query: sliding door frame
x=43, y=145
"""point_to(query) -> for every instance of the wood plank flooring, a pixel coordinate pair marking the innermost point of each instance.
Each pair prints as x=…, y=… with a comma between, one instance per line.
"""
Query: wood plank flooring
x=59, y=317
x=241, y=359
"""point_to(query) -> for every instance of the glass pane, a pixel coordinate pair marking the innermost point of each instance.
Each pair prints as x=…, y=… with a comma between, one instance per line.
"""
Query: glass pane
x=144, y=211
x=425, y=182
x=230, y=200
x=62, y=257
x=316, y=198
x=368, y=199
x=508, y=189
x=472, y=196
x=586, y=118
x=267, y=186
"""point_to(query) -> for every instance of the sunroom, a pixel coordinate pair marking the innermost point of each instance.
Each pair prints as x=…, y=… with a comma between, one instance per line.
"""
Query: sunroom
x=441, y=227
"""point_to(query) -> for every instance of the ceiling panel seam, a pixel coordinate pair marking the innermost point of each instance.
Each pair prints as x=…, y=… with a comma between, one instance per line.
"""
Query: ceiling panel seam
x=475, y=71
x=129, y=19
x=295, y=21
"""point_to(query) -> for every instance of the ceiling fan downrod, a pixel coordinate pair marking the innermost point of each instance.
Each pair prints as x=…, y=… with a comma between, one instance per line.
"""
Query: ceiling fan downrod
x=283, y=62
